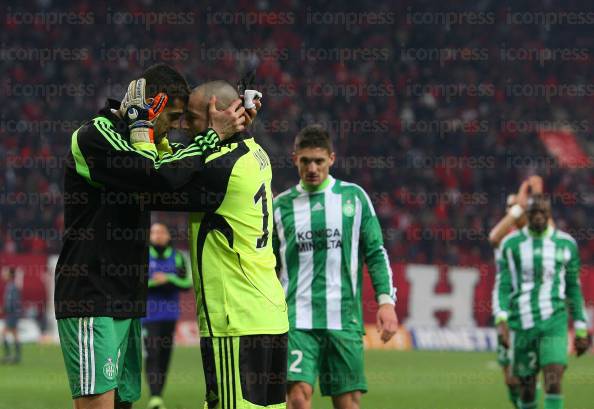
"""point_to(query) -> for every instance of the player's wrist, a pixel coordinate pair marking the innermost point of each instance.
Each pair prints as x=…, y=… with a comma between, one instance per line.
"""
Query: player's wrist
x=501, y=317
x=580, y=329
x=383, y=299
x=516, y=211
x=141, y=134
x=581, y=333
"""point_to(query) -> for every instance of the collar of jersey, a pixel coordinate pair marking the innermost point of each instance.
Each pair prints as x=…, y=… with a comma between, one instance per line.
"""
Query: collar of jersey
x=166, y=253
x=326, y=184
x=545, y=234
x=238, y=137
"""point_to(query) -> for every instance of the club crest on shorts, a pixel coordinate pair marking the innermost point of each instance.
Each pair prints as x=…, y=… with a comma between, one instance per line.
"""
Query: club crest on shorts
x=348, y=209
x=110, y=370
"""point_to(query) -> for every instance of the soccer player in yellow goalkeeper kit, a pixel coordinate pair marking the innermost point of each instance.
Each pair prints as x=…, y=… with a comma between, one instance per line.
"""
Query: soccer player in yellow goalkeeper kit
x=242, y=312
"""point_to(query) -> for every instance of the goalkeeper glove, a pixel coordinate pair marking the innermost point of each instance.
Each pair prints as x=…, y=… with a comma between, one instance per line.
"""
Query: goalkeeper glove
x=140, y=115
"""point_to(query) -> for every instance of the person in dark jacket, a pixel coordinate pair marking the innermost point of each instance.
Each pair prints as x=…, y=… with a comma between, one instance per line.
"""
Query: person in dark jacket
x=168, y=276
x=12, y=311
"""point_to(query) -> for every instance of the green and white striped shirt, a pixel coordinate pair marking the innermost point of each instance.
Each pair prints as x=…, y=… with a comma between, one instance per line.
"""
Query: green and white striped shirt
x=322, y=238
x=538, y=277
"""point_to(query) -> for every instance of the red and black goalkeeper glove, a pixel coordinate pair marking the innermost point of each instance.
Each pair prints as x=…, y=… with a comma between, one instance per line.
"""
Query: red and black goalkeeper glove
x=140, y=114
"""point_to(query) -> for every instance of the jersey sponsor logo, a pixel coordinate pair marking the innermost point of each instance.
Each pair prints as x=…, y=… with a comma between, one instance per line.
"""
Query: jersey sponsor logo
x=310, y=240
x=110, y=370
x=348, y=209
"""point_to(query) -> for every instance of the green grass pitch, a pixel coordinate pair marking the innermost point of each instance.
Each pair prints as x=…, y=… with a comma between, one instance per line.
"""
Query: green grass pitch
x=397, y=380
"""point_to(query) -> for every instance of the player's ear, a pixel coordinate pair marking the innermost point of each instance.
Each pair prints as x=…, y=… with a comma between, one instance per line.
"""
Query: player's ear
x=295, y=158
x=332, y=158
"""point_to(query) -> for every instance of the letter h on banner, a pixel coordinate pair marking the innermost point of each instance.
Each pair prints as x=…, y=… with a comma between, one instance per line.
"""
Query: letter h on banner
x=423, y=302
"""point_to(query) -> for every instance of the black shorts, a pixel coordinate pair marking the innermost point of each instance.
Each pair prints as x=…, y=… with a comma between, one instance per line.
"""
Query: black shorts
x=244, y=371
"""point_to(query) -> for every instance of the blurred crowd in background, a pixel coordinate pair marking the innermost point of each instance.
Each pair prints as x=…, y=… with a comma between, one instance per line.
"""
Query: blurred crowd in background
x=435, y=114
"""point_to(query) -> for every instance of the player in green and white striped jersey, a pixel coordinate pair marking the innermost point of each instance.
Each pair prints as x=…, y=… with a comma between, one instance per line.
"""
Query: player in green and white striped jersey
x=325, y=230
x=538, y=279
x=515, y=218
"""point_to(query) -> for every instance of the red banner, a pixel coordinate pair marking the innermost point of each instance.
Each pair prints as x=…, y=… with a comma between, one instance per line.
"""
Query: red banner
x=563, y=146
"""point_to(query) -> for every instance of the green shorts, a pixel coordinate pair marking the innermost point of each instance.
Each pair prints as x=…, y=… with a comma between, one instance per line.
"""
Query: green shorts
x=101, y=354
x=536, y=347
x=335, y=356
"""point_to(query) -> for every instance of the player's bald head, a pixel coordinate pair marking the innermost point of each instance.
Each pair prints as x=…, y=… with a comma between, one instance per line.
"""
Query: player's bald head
x=223, y=90
x=197, y=110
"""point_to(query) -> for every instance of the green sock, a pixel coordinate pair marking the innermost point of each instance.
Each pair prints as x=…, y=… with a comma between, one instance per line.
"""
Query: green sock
x=531, y=405
x=514, y=395
x=553, y=401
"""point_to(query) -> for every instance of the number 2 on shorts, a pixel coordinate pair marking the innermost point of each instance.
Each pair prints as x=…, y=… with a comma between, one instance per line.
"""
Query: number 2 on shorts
x=295, y=365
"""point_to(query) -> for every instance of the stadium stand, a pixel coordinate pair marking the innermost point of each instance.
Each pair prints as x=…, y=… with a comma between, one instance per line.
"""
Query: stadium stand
x=439, y=120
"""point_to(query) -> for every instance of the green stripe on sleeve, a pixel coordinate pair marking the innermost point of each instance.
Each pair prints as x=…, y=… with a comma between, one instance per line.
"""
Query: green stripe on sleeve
x=107, y=136
x=116, y=140
x=198, y=147
x=102, y=126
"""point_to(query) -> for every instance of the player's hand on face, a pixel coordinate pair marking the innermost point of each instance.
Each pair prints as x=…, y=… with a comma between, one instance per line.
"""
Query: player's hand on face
x=228, y=122
x=581, y=345
x=387, y=322
x=139, y=114
x=503, y=333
